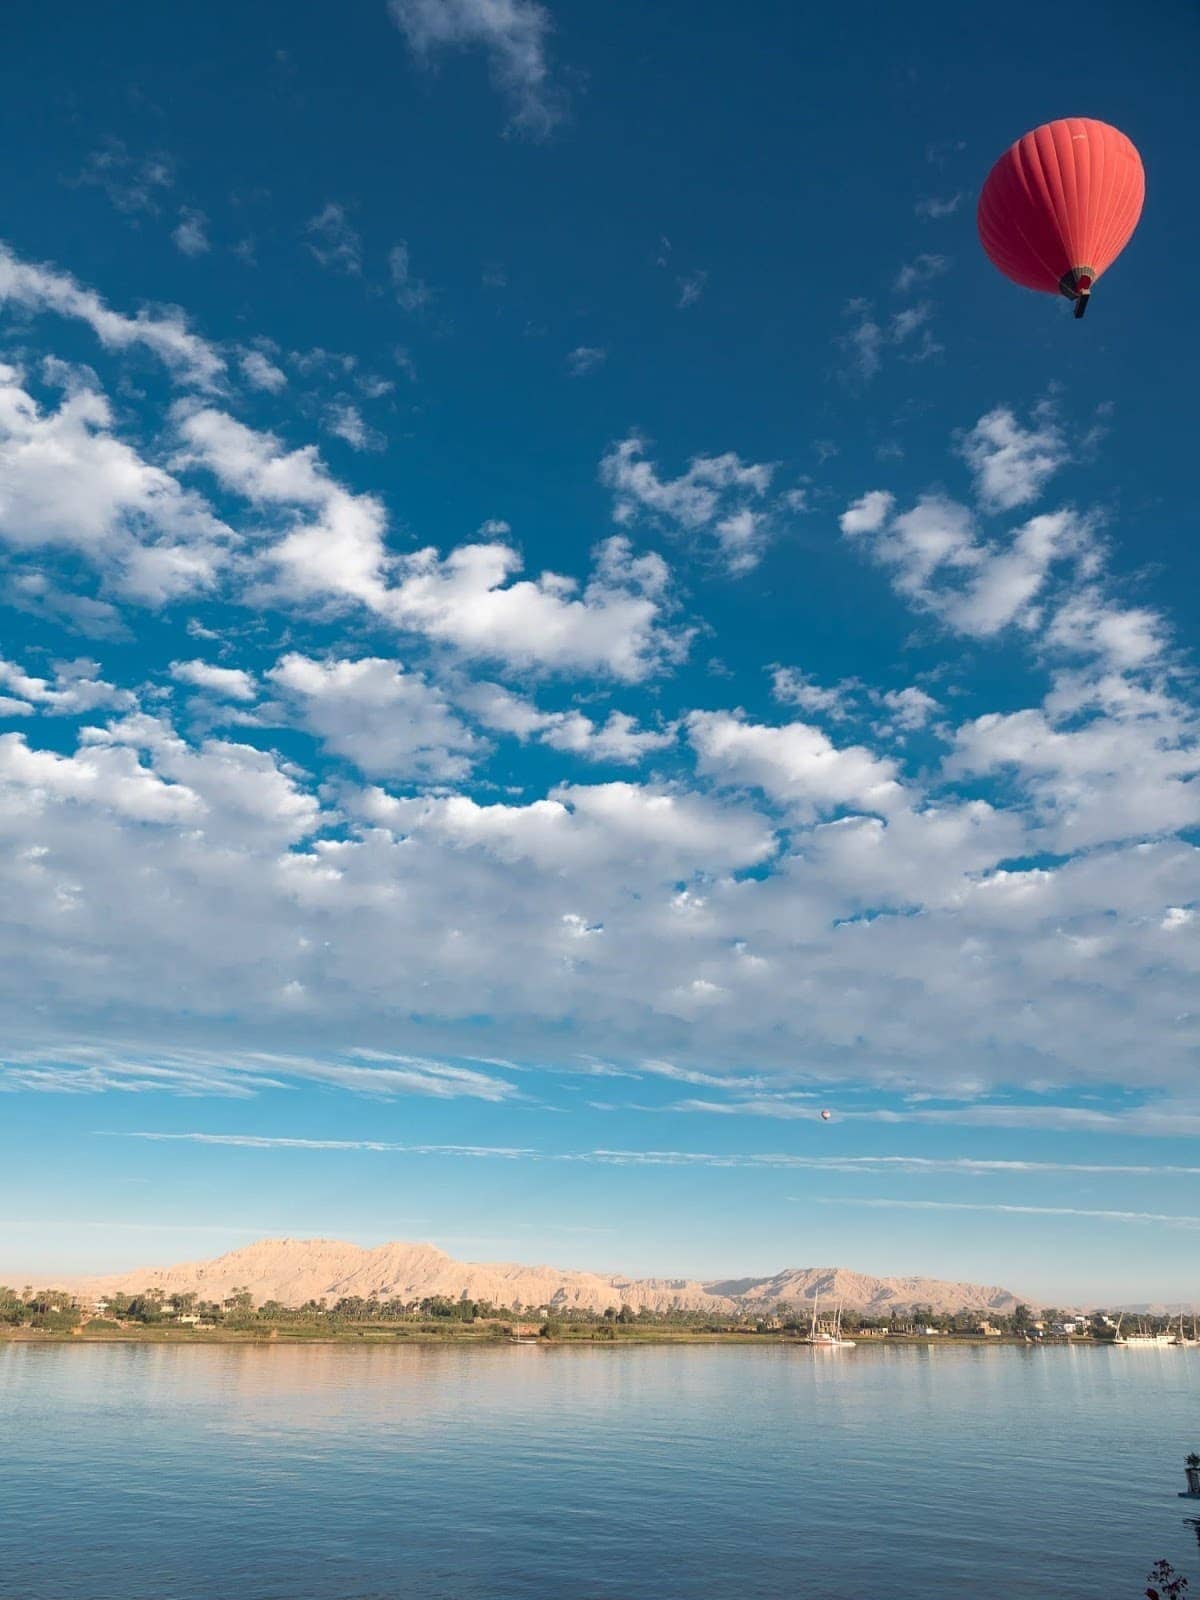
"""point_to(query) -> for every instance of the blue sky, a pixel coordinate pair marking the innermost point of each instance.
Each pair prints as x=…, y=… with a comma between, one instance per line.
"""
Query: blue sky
x=560, y=617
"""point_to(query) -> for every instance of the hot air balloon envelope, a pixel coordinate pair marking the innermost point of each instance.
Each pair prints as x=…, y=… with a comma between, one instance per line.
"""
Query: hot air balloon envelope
x=825, y=1116
x=1060, y=205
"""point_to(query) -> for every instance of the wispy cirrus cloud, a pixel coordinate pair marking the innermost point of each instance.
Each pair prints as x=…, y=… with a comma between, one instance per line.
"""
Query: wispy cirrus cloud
x=94, y=1069
x=1167, y=1219
x=513, y=34
x=765, y=1161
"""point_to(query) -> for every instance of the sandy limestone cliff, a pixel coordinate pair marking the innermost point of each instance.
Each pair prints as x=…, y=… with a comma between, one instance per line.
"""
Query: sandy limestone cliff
x=295, y=1270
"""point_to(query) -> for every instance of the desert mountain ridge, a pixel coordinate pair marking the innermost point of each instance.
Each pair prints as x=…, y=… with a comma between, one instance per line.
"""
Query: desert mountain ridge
x=293, y=1271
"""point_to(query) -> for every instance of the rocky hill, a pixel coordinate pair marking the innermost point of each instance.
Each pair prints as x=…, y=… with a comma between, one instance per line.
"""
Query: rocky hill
x=295, y=1270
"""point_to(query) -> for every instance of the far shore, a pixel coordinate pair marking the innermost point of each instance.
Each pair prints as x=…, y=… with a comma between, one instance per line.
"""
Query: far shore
x=488, y=1337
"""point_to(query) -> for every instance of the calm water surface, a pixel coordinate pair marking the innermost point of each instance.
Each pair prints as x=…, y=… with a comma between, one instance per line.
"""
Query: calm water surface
x=335, y=1473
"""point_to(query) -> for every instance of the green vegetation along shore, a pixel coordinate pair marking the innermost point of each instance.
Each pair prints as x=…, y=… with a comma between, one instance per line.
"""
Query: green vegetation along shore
x=151, y=1317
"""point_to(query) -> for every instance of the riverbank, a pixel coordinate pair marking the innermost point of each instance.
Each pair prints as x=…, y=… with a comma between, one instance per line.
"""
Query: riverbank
x=460, y=1336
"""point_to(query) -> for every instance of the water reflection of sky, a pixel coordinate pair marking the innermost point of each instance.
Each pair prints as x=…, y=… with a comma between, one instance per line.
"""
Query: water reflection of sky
x=345, y=1470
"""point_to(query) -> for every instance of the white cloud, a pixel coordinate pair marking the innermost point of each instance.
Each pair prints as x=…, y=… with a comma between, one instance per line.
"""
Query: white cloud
x=388, y=722
x=1045, y=577
x=133, y=184
x=1126, y=637
x=76, y=1068
x=620, y=739
x=345, y=421
x=514, y=35
x=334, y=547
x=411, y=293
x=468, y=599
x=1012, y=464
x=796, y=764
x=932, y=208
x=868, y=513
x=585, y=358
x=721, y=496
x=922, y=270
x=691, y=288
x=1021, y=1211
x=1116, y=776
x=108, y=778
x=333, y=242
x=796, y=688
x=190, y=236
x=867, y=340
x=231, y=683
x=911, y=707
x=333, y=540
x=35, y=288
x=260, y=372
x=77, y=688
x=66, y=481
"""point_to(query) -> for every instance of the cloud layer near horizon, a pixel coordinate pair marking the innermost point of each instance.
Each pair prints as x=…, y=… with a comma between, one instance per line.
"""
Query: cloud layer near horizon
x=318, y=832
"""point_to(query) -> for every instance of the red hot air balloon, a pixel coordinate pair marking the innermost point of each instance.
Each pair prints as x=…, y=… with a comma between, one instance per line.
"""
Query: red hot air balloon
x=1060, y=205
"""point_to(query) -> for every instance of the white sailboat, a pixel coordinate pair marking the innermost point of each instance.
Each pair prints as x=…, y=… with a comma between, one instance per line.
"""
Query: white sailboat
x=825, y=1337
x=1142, y=1338
x=1188, y=1339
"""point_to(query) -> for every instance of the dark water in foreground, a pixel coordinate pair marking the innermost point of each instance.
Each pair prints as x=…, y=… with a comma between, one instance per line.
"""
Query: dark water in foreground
x=335, y=1473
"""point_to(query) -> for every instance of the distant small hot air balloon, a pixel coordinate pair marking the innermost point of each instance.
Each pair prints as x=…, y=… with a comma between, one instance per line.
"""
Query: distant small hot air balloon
x=826, y=1115
x=1060, y=205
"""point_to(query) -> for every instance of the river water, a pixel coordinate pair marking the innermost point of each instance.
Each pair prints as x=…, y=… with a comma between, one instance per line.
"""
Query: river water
x=366, y=1473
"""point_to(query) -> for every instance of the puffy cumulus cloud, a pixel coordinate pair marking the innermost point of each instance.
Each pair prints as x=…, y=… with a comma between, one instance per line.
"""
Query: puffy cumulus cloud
x=76, y=689
x=796, y=765
x=332, y=543
x=1124, y=772
x=230, y=683
x=796, y=688
x=892, y=946
x=1128, y=637
x=105, y=778
x=514, y=36
x=1011, y=464
x=346, y=422
x=260, y=372
x=242, y=795
x=868, y=513
x=67, y=482
x=388, y=722
x=911, y=708
x=614, y=624
x=1047, y=576
x=722, y=497
x=620, y=739
x=30, y=287
x=333, y=546
x=1034, y=577
x=673, y=834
